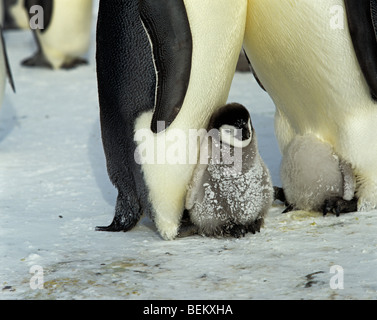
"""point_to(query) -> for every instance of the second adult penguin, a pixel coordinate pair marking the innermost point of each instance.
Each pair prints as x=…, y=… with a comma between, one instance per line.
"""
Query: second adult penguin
x=231, y=191
x=65, y=35
x=317, y=60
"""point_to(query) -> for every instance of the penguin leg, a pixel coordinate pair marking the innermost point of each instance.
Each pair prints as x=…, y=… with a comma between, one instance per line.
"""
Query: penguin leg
x=123, y=220
x=73, y=63
x=187, y=228
x=255, y=226
x=280, y=195
x=338, y=205
x=237, y=230
x=38, y=59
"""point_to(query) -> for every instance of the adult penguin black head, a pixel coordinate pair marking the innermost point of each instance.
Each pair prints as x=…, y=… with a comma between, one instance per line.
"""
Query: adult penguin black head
x=161, y=69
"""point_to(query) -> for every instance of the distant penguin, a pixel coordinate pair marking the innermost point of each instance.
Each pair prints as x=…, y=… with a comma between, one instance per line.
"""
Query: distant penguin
x=318, y=62
x=314, y=178
x=229, y=197
x=163, y=68
x=66, y=33
x=15, y=15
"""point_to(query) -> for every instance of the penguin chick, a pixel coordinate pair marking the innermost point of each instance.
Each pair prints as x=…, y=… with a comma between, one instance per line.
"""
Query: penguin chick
x=229, y=198
x=314, y=178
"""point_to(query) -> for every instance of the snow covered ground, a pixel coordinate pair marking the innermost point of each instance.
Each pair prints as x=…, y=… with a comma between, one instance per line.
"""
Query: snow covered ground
x=54, y=190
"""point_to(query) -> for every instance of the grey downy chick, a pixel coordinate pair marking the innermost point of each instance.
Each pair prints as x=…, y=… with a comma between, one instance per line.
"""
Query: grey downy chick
x=314, y=178
x=231, y=189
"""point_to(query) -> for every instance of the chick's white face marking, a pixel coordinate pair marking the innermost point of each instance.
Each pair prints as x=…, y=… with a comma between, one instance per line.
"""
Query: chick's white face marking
x=233, y=136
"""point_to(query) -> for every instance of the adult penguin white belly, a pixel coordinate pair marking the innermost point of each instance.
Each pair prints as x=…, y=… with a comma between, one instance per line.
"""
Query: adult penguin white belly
x=195, y=47
x=318, y=61
x=66, y=32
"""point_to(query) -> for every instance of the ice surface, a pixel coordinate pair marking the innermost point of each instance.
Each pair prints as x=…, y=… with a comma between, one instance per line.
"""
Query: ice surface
x=54, y=190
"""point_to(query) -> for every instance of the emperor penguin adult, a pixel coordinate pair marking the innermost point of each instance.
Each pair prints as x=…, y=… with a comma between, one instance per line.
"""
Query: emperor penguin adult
x=163, y=68
x=231, y=189
x=64, y=35
x=318, y=62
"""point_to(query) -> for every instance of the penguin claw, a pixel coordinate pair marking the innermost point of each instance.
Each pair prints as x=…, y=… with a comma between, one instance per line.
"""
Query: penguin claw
x=289, y=208
x=338, y=205
x=116, y=227
x=280, y=196
x=37, y=60
x=238, y=231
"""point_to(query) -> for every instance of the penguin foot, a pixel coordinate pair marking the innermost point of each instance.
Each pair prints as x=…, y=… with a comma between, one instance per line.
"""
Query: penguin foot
x=289, y=208
x=255, y=226
x=127, y=214
x=279, y=194
x=116, y=226
x=71, y=64
x=338, y=205
x=187, y=228
x=37, y=60
x=237, y=231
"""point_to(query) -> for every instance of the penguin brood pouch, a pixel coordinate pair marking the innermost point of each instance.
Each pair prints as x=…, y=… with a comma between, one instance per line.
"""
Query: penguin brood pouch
x=231, y=189
x=163, y=68
x=318, y=62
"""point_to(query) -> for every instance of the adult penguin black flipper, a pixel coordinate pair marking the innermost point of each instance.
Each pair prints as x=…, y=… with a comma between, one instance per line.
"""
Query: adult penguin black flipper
x=126, y=74
x=168, y=28
x=6, y=61
x=362, y=22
